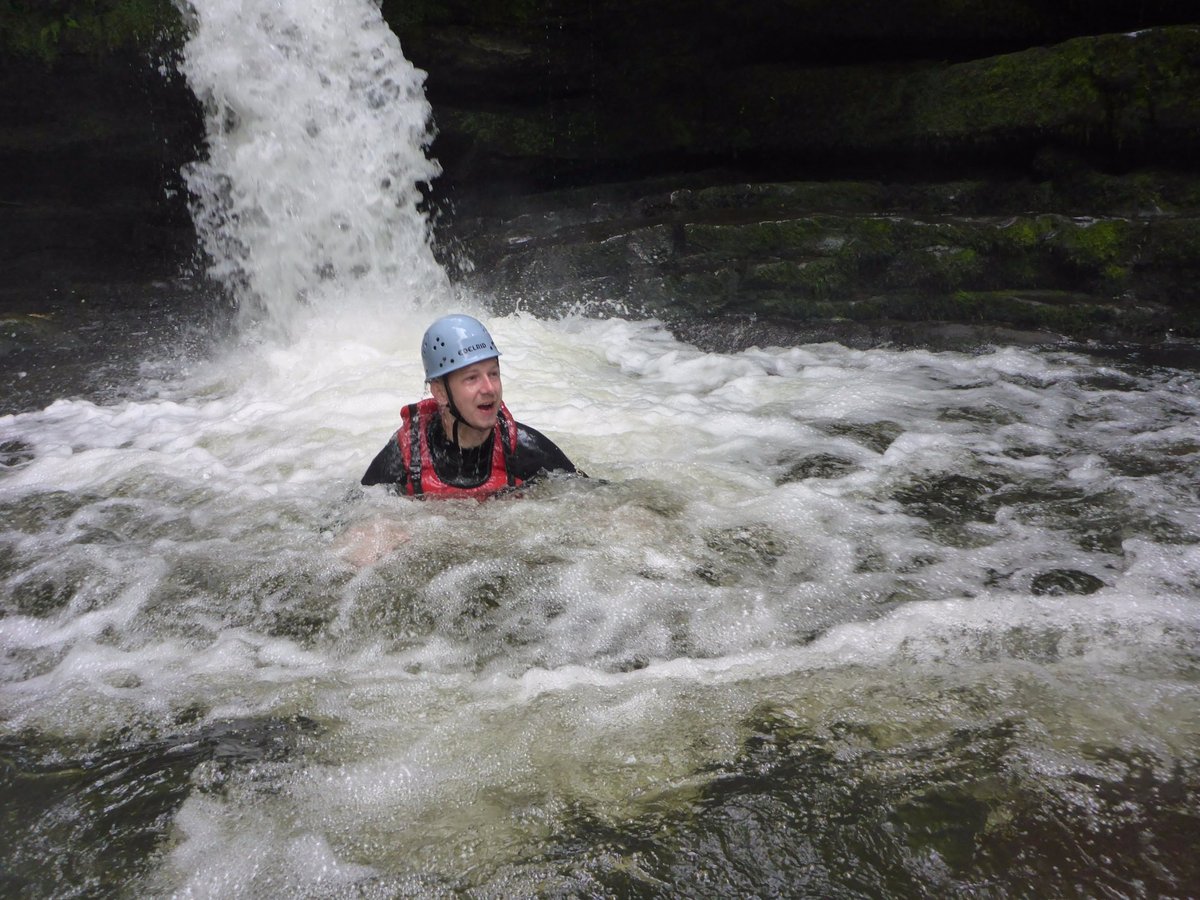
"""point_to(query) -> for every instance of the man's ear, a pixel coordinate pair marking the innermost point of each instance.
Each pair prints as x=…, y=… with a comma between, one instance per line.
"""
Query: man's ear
x=437, y=387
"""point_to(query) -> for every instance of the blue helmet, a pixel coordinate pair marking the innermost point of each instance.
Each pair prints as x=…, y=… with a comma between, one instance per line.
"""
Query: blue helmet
x=454, y=342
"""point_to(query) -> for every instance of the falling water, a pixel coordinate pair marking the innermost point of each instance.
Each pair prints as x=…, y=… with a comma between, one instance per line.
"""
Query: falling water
x=316, y=130
x=823, y=622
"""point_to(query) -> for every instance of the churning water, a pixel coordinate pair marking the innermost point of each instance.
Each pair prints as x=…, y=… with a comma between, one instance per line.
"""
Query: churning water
x=823, y=622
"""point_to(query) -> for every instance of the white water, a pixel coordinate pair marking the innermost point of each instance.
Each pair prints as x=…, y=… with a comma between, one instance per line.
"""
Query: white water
x=599, y=646
x=316, y=130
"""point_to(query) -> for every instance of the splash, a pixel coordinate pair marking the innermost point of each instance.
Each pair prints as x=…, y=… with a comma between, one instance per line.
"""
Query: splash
x=317, y=128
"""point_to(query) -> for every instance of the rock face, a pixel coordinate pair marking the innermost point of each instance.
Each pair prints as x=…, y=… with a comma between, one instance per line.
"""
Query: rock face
x=92, y=141
x=1030, y=164
x=831, y=168
x=1102, y=257
x=550, y=94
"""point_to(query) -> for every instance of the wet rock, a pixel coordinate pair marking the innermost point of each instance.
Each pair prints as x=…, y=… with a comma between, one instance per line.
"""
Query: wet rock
x=15, y=453
x=736, y=552
x=818, y=465
x=1112, y=277
x=114, y=801
x=1063, y=582
x=875, y=436
x=951, y=499
x=1117, y=94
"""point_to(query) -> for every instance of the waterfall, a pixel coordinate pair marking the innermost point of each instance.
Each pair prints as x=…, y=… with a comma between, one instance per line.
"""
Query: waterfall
x=317, y=128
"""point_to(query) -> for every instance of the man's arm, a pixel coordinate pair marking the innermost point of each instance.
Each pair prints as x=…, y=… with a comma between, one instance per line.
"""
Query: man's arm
x=387, y=467
x=536, y=453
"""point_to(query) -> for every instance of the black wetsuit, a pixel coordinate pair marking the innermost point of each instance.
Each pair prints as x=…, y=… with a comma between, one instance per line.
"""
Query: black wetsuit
x=470, y=467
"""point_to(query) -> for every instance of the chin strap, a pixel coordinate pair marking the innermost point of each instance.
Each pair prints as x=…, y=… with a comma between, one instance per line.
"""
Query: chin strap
x=453, y=411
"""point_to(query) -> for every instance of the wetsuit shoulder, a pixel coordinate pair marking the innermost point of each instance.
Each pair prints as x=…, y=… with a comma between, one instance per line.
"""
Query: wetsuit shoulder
x=387, y=467
x=536, y=453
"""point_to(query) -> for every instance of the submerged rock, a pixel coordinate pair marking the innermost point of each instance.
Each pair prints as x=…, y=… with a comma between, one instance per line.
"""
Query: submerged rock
x=1061, y=582
x=817, y=465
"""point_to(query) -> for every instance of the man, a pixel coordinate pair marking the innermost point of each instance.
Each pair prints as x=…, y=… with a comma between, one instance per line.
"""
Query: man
x=462, y=441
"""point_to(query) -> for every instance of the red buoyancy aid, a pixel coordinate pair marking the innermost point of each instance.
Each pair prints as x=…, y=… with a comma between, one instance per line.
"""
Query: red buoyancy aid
x=422, y=479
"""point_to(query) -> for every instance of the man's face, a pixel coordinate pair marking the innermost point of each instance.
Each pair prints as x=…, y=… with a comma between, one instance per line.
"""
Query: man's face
x=477, y=392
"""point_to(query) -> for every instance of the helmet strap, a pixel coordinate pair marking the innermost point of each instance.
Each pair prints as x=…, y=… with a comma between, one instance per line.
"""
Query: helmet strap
x=453, y=407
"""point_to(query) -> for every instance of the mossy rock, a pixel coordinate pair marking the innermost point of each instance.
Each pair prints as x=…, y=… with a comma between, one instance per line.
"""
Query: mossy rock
x=796, y=197
x=529, y=134
x=816, y=279
x=1115, y=89
x=755, y=239
x=1050, y=273
x=560, y=264
x=1110, y=94
x=706, y=293
x=1096, y=244
x=794, y=308
x=47, y=29
x=650, y=246
x=937, y=267
x=1024, y=233
x=1060, y=312
x=1145, y=193
x=1171, y=243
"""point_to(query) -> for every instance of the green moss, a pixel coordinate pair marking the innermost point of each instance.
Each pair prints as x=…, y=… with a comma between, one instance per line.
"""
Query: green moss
x=408, y=14
x=46, y=29
x=1095, y=245
x=704, y=292
x=795, y=308
x=1059, y=312
x=1172, y=242
x=1110, y=91
x=1036, y=89
x=754, y=239
x=873, y=239
x=819, y=279
x=838, y=258
x=935, y=267
x=798, y=197
x=537, y=134
x=1025, y=233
